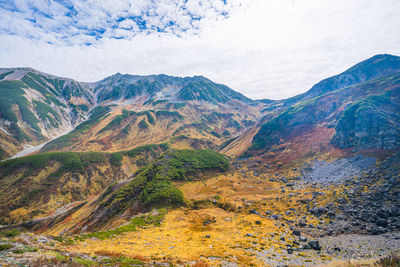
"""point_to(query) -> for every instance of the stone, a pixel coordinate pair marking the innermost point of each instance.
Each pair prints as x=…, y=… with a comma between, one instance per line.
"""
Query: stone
x=314, y=244
x=381, y=222
x=43, y=240
x=296, y=233
x=254, y=212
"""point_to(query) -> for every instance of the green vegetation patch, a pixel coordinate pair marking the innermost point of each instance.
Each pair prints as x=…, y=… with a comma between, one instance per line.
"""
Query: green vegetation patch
x=45, y=112
x=116, y=159
x=143, y=124
x=150, y=118
x=2, y=76
x=10, y=233
x=5, y=246
x=169, y=114
x=115, y=122
x=3, y=154
x=157, y=192
x=74, y=162
x=381, y=108
x=11, y=94
x=146, y=148
x=153, y=186
x=156, y=102
x=133, y=225
x=179, y=105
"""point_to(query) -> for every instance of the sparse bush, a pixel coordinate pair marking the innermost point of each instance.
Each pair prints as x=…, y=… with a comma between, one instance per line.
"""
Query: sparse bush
x=85, y=262
x=5, y=246
x=10, y=233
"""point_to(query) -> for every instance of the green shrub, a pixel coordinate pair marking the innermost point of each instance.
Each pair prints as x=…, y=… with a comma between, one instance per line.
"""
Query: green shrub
x=115, y=122
x=153, y=183
x=11, y=93
x=215, y=134
x=161, y=192
x=70, y=161
x=83, y=107
x=132, y=226
x=5, y=246
x=10, y=233
x=143, y=124
x=85, y=262
x=116, y=159
x=3, y=154
x=179, y=105
x=169, y=114
x=2, y=76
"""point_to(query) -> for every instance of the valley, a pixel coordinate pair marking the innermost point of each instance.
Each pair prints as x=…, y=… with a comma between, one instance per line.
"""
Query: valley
x=168, y=171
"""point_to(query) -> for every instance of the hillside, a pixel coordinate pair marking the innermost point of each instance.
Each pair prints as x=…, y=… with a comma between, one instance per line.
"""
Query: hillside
x=362, y=116
x=36, y=107
x=36, y=186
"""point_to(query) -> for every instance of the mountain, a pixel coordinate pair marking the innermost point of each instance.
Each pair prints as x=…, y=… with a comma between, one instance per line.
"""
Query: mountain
x=162, y=170
x=45, y=182
x=123, y=111
x=370, y=69
x=357, y=109
x=35, y=107
x=140, y=110
x=163, y=87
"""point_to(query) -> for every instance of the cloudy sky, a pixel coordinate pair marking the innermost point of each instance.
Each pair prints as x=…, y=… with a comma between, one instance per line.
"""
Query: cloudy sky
x=261, y=48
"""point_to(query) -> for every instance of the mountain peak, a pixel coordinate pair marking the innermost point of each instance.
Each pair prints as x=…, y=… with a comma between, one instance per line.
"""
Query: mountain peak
x=374, y=66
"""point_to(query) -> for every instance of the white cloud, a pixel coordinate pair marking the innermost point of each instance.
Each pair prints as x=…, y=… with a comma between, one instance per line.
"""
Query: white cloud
x=265, y=49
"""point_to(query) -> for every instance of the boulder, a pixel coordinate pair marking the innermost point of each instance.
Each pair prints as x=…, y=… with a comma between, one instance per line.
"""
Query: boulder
x=314, y=244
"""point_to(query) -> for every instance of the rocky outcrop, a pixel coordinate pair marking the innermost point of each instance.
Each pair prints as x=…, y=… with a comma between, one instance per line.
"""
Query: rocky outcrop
x=373, y=123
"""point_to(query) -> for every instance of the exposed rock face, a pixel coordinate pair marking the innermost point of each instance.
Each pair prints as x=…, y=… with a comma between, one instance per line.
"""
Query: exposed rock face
x=163, y=87
x=371, y=123
x=363, y=104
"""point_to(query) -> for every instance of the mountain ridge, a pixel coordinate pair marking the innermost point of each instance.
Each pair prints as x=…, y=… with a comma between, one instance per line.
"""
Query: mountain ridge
x=121, y=89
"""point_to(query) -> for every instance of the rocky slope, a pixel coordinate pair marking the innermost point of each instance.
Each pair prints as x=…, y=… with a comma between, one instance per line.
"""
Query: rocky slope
x=363, y=116
x=35, y=107
x=370, y=69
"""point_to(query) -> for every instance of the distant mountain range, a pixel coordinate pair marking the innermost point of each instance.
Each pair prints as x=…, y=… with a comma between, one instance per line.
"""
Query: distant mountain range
x=35, y=107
